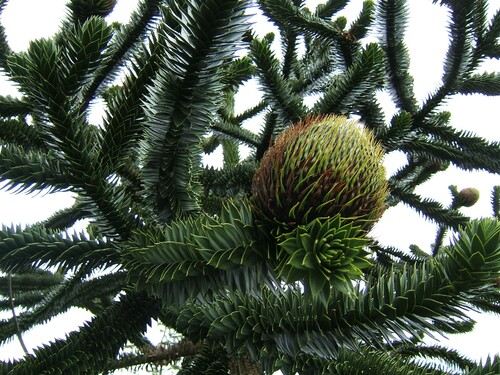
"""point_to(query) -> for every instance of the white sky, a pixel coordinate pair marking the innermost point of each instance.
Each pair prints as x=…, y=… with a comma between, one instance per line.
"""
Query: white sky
x=25, y=20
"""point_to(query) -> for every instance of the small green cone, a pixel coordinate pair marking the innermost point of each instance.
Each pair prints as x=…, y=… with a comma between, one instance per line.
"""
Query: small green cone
x=467, y=197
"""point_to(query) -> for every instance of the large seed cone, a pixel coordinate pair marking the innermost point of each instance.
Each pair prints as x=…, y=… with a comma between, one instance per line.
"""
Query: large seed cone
x=321, y=167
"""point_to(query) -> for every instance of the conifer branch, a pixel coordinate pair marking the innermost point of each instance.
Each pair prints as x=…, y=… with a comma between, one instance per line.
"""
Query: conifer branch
x=255, y=259
x=160, y=355
x=126, y=38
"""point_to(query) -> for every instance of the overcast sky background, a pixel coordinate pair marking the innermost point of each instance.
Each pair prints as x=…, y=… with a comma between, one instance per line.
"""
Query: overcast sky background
x=427, y=41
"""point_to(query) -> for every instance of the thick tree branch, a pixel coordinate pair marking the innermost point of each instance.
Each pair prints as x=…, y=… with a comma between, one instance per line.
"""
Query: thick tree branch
x=160, y=355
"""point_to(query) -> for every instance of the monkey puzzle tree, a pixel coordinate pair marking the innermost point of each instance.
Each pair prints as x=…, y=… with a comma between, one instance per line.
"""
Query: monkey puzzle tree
x=266, y=263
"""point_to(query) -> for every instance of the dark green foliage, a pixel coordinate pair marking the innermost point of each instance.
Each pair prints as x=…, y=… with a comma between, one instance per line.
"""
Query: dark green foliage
x=393, y=20
x=324, y=254
x=186, y=91
x=409, y=297
x=81, y=10
x=169, y=239
x=89, y=349
x=22, y=248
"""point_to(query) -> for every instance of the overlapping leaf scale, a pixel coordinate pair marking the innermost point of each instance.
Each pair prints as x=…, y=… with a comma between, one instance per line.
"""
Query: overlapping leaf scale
x=277, y=90
x=487, y=300
x=494, y=52
x=483, y=30
x=67, y=217
x=464, y=325
x=201, y=277
x=27, y=288
x=31, y=171
x=10, y=106
x=482, y=155
x=211, y=359
x=96, y=343
x=495, y=201
x=460, y=51
x=488, y=46
x=259, y=320
x=51, y=76
x=452, y=358
x=184, y=98
x=5, y=49
x=213, y=282
x=374, y=119
x=124, y=115
x=229, y=242
x=387, y=256
x=289, y=42
x=228, y=181
x=343, y=43
x=72, y=135
x=232, y=131
x=473, y=258
x=286, y=12
x=60, y=298
x=393, y=19
x=76, y=62
x=155, y=256
x=41, y=75
x=126, y=41
x=36, y=73
x=97, y=293
x=328, y=8
x=361, y=25
x=485, y=84
x=82, y=53
x=23, y=300
x=345, y=91
x=429, y=207
x=397, y=304
x=400, y=130
x=490, y=366
x=480, y=20
x=5, y=367
x=192, y=248
x=238, y=71
x=349, y=362
x=408, y=173
x=272, y=127
x=251, y=112
x=18, y=132
x=40, y=247
x=436, y=128
x=324, y=254
x=415, y=294
x=313, y=68
x=29, y=281
x=113, y=207
x=459, y=57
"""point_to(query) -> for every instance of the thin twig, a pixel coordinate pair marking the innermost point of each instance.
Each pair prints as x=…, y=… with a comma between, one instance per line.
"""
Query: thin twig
x=14, y=317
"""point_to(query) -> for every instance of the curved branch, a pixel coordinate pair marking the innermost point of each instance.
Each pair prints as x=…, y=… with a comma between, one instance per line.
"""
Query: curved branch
x=159, y=355
x=14, y=317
